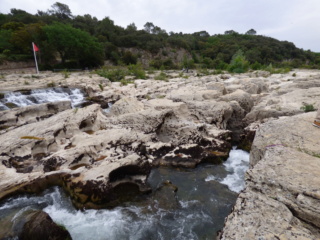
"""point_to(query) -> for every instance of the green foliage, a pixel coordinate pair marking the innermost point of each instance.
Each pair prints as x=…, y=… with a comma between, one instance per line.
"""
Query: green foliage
x=238, y=64
x=161, y=76
x=137, y=71
x=84, y=41
x=273, y=70
x=72, y=43
x=129, y=58
x=66, y=73
x=113, y=74
x=51, y=84
x=256, y=66
x=307, y=107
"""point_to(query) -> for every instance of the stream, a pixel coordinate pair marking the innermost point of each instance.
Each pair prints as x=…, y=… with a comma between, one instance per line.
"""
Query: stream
x=38, y=96
x=204, y=198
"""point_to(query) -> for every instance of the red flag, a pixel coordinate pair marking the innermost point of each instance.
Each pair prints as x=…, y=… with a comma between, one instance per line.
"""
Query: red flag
x=36, y=49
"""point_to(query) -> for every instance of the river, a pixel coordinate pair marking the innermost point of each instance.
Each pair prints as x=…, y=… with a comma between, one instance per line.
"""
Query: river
x=204, y=198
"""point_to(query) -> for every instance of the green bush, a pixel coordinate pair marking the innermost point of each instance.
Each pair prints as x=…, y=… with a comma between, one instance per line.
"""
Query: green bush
x=256, y=66
x=51, y=84
x=114, y=75
x=129, y=58
x=137, y=71
x=162, y=76
x=238, y=63
x=273, y=70
x=308, y=108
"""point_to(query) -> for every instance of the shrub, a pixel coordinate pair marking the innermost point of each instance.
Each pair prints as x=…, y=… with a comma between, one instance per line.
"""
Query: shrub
x=256, y=66
x=137, y=71
x=51, y=84
x=66, y=73
x=162, y=76
x=114, y=75
x=129, y=58
x=238, y=63
x=308, y=107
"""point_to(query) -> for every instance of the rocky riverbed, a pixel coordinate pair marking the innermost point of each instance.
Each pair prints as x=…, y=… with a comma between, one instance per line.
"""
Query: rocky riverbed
x=102, y=156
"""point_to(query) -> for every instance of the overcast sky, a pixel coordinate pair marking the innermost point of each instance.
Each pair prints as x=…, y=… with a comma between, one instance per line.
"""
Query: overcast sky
x=296, y=21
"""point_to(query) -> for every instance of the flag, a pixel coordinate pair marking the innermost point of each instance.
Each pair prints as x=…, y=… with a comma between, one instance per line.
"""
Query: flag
x=36, y=49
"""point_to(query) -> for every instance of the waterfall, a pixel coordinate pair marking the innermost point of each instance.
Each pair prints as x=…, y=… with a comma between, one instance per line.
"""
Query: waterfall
x=38, y=96
x=236, y=166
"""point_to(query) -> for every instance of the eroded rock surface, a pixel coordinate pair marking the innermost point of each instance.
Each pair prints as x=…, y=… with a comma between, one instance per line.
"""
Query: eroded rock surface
x=103, y=157
x=282, y=195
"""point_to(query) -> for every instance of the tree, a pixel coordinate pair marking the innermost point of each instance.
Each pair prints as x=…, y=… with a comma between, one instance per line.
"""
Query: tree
x=131, y=28
x=148, y=27
x=251, y=32
x=61, y=11
x=86, y=23
x=23, y=36
x=238, y=64
x=74, y=44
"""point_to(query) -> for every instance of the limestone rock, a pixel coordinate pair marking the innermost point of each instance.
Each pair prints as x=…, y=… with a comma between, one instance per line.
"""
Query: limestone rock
x=283, y=103
x=244, y=99
x=295, y=132
x=126, y=105
x=211, y=112
x=282, y=196
x=24, y=115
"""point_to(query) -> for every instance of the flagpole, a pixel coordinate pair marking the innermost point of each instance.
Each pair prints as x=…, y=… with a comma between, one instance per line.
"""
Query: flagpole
x=35, y=58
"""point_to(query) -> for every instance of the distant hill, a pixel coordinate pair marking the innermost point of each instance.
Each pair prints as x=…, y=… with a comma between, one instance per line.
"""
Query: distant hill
x=67, y=41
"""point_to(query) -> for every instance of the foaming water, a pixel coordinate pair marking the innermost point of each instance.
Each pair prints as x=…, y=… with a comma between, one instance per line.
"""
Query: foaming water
x=200, y=206
x=38, y=96
x=108, y=109
x=236, y=165
x=3, y=107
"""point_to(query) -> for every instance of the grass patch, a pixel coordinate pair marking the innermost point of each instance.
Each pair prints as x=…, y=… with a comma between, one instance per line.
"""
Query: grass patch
x=113, y=74
x=162, y=76
x=66, y=73
x=51, y=84
x=308, y=108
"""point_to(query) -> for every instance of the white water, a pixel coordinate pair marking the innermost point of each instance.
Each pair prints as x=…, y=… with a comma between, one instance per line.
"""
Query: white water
x=107, y=110
x=3, y=107
x=132, y=223
x=45, y=95
x=203, y=204
x=236, y=165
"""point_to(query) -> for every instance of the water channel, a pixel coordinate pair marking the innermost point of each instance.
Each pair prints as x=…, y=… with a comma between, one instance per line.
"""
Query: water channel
x=204, y=198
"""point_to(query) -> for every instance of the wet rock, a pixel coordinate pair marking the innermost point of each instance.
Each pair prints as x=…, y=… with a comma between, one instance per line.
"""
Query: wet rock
x=166, y=196
x=40, y=226
x=31, y=224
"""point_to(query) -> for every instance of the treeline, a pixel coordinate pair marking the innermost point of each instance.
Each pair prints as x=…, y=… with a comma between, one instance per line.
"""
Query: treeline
x=68, y=41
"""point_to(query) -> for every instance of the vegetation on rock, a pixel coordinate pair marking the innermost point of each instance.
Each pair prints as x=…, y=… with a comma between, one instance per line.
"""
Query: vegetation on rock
x=68, y=41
